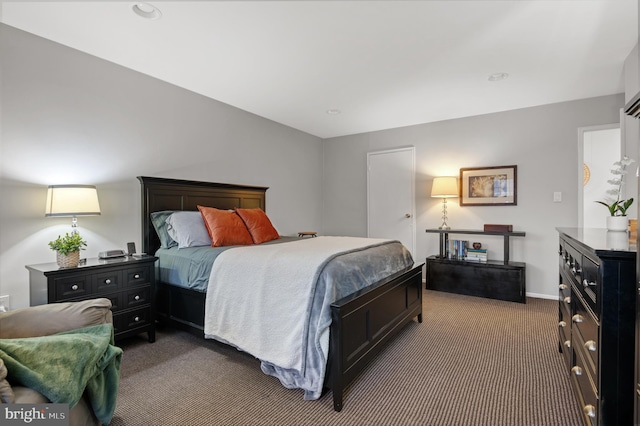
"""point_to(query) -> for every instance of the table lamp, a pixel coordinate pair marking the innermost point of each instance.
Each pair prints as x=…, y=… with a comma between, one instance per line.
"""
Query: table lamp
x=444, y=187
x=72, y=200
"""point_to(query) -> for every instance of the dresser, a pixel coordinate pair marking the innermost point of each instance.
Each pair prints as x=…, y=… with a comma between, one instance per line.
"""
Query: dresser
x=129, y=282
x=596, y=327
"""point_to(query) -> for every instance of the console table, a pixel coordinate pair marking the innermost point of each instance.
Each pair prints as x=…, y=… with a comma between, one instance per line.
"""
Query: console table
x=494, y=279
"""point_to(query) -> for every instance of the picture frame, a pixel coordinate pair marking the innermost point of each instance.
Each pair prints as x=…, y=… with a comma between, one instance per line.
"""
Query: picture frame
x=489, y=186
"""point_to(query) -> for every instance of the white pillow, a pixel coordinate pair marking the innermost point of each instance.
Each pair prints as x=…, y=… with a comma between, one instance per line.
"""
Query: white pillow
x=188, y=229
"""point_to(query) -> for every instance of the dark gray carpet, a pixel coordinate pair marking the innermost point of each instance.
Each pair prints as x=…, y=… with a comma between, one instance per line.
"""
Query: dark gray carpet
x=472, y=361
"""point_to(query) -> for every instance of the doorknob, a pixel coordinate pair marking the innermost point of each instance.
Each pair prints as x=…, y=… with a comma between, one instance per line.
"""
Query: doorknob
x=408, y=215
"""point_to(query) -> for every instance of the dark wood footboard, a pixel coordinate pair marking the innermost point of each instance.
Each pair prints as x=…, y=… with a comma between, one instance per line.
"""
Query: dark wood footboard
x=363, y=322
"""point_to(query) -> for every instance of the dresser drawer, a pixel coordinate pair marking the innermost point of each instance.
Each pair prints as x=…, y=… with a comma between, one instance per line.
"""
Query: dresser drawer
x=71, y=286
x=589, y=284
x=564, y=299
x=136, y=297
x=586, y=390
x=588, y=351
x=140, y=275
x=129, y=320
x=573, y=264
x=564, y=336
x=107, y=281
x=585, y=329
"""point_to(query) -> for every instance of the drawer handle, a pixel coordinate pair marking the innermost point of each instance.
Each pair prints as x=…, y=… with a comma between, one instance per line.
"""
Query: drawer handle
x=136, y=276
x=567, y=343
x=107, y=281
x=576, y=370
x=562, y=324
x=590, y=411
x=567, y=300
x=590, y=345
x=136, y=319
x=577, y=318
x=588, y=284
x=136, y=297
x=562, y=286
x=74, y=287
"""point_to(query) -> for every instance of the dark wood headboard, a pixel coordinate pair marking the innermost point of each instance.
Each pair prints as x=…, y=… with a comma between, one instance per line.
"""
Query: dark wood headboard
x=174, y=194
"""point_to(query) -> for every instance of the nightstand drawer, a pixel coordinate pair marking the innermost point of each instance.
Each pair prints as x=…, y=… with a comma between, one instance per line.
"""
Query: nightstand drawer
x=137, y=276
x=129, y=320
x=72, y=286
x=115, y=300
x=106, y=281
x=136, y=297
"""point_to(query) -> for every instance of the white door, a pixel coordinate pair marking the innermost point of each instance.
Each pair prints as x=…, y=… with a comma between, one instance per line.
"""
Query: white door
x=390, y=196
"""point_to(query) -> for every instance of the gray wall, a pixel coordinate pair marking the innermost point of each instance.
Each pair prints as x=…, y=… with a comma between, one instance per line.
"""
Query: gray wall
x=541, y=141
x=68, y=117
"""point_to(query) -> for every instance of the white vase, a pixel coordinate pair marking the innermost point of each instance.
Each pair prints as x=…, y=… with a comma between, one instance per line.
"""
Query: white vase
x=617, y=223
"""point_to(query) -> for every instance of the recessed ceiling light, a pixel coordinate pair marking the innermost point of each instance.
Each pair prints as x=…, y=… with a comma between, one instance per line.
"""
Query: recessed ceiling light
x=498, y=76
x=147, y=11
x=333, y=111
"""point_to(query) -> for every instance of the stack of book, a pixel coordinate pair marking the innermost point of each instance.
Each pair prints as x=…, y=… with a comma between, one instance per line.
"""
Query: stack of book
x=457, y=249
x=476, y=255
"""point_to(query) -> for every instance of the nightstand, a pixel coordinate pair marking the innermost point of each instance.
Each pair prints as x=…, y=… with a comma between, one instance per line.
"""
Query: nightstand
x=129, y=282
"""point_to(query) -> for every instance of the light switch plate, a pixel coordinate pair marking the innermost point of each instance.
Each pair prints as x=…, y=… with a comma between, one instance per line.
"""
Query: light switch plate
x=557, y=197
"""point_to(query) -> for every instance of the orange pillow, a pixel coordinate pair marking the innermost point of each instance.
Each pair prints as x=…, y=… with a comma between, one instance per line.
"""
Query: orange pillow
x=225, y=227
x=258, y=224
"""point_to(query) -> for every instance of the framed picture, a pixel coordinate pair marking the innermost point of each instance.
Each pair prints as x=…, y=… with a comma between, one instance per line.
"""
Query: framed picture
x=489, y=186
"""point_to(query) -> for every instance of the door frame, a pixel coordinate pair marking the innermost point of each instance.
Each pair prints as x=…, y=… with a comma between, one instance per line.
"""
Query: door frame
x=581, y=132
x=412, y=149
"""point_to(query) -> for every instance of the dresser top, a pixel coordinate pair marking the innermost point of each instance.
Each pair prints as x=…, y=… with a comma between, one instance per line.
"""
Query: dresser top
x=601, y=241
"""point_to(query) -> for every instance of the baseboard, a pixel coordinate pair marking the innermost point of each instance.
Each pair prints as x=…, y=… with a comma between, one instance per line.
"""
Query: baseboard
x=542, y=296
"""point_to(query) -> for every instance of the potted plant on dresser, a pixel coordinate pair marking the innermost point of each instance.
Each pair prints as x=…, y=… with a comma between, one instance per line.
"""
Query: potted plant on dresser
x=617, y=219
x=67, y=249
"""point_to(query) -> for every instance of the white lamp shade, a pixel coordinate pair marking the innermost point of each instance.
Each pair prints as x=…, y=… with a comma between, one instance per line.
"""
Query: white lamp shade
x=72, y=200
x=445, y=187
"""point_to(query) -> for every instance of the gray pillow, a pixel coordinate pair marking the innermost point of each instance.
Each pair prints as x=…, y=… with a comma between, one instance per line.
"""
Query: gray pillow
x=159, y=220
x=188, y=229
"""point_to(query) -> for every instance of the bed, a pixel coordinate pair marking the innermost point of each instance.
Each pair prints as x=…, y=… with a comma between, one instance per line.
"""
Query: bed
x=361, y=322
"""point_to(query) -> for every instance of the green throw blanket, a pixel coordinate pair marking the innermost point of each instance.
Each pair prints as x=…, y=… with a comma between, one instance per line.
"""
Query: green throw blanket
x=62, y=365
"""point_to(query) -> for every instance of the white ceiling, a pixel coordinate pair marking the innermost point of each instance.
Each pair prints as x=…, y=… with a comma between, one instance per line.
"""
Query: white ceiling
x=383, y=64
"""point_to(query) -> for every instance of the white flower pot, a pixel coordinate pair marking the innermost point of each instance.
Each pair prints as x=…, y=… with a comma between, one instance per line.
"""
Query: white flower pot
x=617, y=223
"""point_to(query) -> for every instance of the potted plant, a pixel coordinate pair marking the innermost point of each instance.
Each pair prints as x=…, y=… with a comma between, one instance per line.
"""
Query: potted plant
x=617, y=219
x=67, y=249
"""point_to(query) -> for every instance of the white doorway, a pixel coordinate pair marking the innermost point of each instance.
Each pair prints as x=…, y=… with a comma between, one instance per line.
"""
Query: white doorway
x=599, y=147
x=391, y=196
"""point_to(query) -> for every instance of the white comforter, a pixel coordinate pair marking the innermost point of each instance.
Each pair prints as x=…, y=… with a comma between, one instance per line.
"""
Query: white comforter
x=259, y=299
